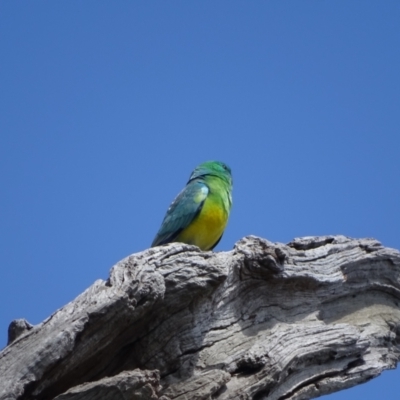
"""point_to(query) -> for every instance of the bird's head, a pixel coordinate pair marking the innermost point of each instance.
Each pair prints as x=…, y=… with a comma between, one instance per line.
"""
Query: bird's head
x=214, y=168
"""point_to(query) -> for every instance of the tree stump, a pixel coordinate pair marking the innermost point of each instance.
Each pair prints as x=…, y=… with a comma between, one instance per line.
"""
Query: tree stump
x=263, y=321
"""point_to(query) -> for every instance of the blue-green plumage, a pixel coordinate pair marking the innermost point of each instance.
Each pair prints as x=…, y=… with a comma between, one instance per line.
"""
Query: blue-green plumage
x=199, y=214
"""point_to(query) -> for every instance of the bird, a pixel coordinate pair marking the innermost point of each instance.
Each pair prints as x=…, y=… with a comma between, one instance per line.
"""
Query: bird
x=200, y=212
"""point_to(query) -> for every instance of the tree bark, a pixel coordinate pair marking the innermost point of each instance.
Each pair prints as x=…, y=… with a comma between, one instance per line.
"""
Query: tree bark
x=263, y=321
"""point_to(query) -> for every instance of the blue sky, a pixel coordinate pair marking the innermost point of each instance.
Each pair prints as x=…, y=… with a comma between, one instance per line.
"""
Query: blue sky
x=106, y=107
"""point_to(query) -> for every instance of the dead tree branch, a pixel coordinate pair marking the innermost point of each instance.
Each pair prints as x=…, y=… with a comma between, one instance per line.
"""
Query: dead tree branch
x=265, y=320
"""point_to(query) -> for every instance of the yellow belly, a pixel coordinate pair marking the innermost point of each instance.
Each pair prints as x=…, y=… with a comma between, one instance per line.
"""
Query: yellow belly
x=206, y=228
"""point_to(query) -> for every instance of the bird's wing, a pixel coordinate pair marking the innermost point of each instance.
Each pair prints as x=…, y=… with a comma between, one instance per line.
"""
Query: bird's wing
x=182, y=212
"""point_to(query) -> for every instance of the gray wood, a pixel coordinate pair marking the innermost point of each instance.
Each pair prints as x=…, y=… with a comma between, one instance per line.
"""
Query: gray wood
x=132, y=385
x=265, y=320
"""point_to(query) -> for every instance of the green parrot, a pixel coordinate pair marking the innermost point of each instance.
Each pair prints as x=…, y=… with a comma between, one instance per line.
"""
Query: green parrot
x=200, y=212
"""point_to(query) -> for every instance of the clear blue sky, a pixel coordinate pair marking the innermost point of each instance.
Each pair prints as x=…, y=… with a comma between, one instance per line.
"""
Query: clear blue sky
x=106, y=107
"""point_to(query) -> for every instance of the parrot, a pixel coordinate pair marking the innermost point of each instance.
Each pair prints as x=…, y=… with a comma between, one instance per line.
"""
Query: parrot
x=200, y=212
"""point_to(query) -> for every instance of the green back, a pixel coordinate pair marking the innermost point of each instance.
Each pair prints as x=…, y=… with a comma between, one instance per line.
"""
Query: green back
x=188, y=204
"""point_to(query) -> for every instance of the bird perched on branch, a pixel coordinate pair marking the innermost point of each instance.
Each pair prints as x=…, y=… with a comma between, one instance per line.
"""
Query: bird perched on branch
x=200, y=212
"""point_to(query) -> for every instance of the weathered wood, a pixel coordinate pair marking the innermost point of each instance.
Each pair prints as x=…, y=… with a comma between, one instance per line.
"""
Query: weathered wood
x=132, y=385
x=265, y=320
